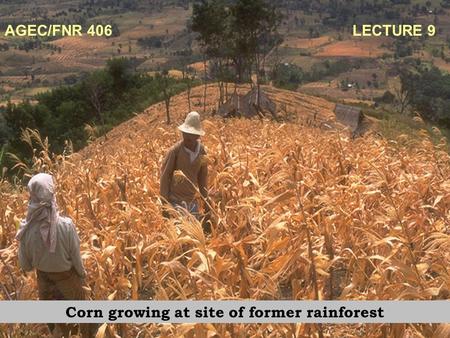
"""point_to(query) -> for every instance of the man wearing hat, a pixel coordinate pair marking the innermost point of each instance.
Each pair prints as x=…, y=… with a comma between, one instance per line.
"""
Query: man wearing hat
x=184, y=168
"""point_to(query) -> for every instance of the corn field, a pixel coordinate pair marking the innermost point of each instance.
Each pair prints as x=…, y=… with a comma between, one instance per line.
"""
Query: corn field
x=298, y=213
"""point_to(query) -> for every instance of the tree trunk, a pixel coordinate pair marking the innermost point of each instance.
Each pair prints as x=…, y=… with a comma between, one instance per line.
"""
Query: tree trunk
x=167, y=101
x=220, y=93
x=189, y=96
x=226, y=91
x=258, y=86
x=239, y=69
x=250, y=76
x=220, y=82
x=206, y=84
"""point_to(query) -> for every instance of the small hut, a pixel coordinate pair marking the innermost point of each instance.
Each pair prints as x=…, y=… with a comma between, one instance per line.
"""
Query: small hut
x=349, y=116
x=233, y=107
x=259, y=106
x=247, y=105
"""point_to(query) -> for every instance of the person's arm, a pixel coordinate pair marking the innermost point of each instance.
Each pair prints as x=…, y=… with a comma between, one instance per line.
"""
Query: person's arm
x=167, y=169
x=24, y=260
x=75, y=254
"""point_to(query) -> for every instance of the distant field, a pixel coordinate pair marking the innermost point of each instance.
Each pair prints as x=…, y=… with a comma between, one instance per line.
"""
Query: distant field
x=153, y=63
x=13, y=101
x=295, y=42
x=363, y=75
x=198, y=66
x=134, y=25
x=15, y=59
x=6, y=88
x=76, y=45
x=332, y=92
x=368, y=47
x=172, y=73
x=18, y=87
x=305, y=62
x=85, y=54
x=77, y=52
x=356, y=101
x=438, y=62
x=22, y=94
x=29, y=92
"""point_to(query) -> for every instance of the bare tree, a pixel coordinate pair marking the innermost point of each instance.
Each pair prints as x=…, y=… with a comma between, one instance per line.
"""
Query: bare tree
x=190, y=77
x=205, y=79
x=403, y=97
x=96, y=92
x=167, y=93
x=404, y=89
x=188, y=74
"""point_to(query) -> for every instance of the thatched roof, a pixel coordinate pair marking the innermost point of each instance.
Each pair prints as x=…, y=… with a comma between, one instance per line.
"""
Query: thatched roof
x=247, y=105
x=265, y=103
x=349, y=116
x=233, y=107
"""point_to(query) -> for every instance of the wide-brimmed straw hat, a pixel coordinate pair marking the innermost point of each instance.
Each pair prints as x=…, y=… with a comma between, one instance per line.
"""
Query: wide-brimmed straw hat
x=192, y=124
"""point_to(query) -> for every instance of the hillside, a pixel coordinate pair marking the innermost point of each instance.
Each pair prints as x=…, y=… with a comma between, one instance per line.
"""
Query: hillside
x=300, y=107
x=155, y=35
x=371, y=214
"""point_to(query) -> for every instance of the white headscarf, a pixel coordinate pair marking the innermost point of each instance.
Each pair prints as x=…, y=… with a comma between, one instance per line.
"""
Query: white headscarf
x=42, y=210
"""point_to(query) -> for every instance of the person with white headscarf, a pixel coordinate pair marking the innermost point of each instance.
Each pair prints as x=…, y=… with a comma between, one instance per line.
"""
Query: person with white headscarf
x=50, y=244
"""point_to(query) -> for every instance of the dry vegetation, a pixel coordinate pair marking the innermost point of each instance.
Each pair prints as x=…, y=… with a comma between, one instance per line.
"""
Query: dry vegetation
x=299, y=213
x=445, y=66
x=199, y=67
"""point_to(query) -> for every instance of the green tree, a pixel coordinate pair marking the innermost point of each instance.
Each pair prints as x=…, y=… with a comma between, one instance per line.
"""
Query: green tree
x=243, y=31
x=211, y=19
x=5, y=132
x=287, y=76
x=254, y=31
x=107, y=96
x=119, y=70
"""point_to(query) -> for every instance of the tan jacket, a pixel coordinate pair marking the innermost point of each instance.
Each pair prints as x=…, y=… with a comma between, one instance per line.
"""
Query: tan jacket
x=34, y=254
x=175, y=187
